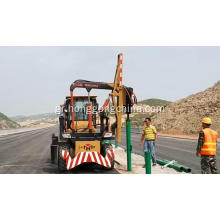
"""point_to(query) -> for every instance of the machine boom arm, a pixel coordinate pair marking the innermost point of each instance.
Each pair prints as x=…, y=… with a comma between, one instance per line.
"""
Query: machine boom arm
x=121, y=95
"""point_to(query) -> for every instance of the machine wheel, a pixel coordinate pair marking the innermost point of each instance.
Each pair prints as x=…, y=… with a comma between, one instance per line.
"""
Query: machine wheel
x=53, y=150
x=54, y=139
x=61, y=162
x=112, y=165
x=104, y=149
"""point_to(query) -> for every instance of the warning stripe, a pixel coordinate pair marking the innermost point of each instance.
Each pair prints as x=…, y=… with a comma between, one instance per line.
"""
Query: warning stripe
x=97, y=158
x=87, y=157
x=91, y=155
x=100, y=158
x=108, y=163
x=113, y=154
x=103, y=161
x=64, y=154
x=94, y=156
x=68, y=162
x=77, y=160
x=74, y=162
x=80, y=159
x=110, y=153
x=71, y=164
x=109, y=157
x=85, y=160
x=120, y=69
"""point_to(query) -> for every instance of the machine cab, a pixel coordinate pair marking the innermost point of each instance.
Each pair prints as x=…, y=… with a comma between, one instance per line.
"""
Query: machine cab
x=80, y=114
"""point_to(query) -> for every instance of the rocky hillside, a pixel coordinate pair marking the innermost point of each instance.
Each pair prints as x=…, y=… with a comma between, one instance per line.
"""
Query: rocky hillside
x=31, y=120
x=6, y=123
x=184, y=116
x=145, y=108
x=154, y=102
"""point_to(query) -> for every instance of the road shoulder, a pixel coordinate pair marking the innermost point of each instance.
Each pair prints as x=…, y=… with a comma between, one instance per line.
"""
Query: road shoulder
x=137, y=164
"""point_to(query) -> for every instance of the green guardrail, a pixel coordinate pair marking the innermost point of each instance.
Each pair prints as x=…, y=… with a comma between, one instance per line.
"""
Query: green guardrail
x=148, y=162
x=175, y=166
x=129, y=146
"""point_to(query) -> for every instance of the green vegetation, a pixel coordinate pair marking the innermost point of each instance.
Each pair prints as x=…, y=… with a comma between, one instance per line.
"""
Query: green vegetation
x=137, y=120
x=6, y=123
x=3, y=117
x=155, y=102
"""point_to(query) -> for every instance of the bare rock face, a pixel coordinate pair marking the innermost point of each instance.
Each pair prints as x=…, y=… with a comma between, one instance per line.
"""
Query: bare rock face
x=185, y=115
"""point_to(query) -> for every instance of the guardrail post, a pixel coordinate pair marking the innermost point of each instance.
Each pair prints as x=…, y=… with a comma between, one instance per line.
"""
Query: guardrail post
x=129, y=148
x=148, y=162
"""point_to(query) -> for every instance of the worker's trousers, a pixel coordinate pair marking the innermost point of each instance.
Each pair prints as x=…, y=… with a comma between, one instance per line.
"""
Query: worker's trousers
x=150, y=147
x=208, y=163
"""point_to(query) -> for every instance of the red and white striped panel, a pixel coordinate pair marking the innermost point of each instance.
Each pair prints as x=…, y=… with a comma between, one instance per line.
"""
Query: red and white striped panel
x=87, y=157
x=120, y=69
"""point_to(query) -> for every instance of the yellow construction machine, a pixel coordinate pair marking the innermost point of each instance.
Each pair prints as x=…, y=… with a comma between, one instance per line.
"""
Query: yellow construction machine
x=85, y=131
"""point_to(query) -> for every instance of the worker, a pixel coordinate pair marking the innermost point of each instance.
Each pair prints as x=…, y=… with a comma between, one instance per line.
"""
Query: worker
x=207, y=145
x=149, y=136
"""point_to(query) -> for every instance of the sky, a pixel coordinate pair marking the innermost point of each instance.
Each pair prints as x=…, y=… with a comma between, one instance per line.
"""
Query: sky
x=36, y=79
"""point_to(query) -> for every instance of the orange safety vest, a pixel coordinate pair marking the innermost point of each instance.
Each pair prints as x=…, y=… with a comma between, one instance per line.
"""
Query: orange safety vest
x=210, y=142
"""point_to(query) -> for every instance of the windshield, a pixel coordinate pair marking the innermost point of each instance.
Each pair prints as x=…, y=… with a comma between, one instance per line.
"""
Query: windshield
x=80, y=110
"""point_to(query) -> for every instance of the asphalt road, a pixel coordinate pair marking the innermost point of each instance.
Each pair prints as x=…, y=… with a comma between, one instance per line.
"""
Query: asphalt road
x=29, y=153
x=181, y=150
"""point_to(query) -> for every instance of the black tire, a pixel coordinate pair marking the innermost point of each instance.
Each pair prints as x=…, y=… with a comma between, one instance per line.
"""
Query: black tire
x=53, y=150
x=61, y=162
x=112, y=164
x=54, y=139
x=104, y=149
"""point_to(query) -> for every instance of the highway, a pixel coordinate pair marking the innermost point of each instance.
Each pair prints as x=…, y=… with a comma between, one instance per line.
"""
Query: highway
x=29, y=153
x=181, y=150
